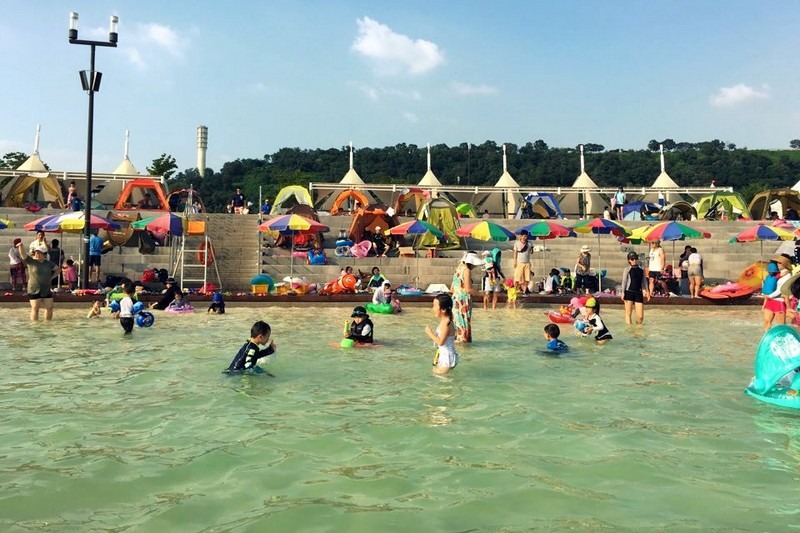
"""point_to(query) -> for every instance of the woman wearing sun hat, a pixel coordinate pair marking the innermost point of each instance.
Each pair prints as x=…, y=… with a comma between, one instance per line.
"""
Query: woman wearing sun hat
x=42, y=272
x=462, y=295
x=582, y=265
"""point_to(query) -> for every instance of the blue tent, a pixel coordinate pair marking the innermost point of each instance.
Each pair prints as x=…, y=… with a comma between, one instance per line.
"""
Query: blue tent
x=539, y=205
x=633, y=211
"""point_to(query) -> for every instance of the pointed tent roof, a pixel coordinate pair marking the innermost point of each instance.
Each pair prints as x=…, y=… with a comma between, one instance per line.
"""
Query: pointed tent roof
x=663, y=181
x=505, y=179
x=34, y=162
x=593, y=202
x=430, y=179
x=583, y=180
x=352, y=177
x=126, y=168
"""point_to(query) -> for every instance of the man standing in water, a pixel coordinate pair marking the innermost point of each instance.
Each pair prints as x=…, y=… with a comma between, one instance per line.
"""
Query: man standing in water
x=40, y=274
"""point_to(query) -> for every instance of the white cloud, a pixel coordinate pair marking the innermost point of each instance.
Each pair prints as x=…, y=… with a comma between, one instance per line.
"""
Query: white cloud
x=736, y=95
x=376, y=93
x=411, y=117
x=391, y=53
x=149, y=41
x=467, y=89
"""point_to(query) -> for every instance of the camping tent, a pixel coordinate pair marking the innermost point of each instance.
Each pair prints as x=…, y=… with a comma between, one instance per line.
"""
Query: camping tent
x=539, y=205
x=370, y=217
x=39, y=188
x=135, y=190
x=466, y=210
x=291, y=195
x=442, y=214
x=730, y=202
x=678, y=211
x=633, y=210
x=357, y=199
x=778, y=200
x=412, y=200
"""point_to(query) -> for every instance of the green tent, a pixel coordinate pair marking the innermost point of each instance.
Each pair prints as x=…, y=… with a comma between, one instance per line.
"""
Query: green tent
x=730, y=202
x=466, y=210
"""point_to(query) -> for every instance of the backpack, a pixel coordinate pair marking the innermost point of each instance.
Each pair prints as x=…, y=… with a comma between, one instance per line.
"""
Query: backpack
x=149, y=276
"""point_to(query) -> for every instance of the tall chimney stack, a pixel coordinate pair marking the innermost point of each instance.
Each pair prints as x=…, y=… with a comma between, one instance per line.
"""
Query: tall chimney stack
x=202, y=147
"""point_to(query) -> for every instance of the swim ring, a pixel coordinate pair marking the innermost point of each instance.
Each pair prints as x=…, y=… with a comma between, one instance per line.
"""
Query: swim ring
x=145, y=319
x=410, y=291
x=185, y=309
x=348, y=282
x=559, y=318
x=383, y=309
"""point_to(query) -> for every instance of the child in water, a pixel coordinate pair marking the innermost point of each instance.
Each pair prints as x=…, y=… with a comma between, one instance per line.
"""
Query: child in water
x=511, y=293
x=595, y=323
x=125, y=313
x=94, y=312
x=444, y=337
x=361, y=328
x=551, y=333
x=180, y=303
x=249, y=355
x=217, y=304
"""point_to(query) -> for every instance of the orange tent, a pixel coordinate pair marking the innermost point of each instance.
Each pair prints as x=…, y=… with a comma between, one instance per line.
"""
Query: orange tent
x=135, y=190
x=356, y=196
x=411, y=200
x=368, y=219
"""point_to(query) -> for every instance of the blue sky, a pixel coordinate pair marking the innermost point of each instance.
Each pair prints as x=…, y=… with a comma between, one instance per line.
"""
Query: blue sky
x=263, y=75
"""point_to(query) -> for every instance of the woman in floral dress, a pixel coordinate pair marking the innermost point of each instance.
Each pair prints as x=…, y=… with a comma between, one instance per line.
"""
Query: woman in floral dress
x=462, y=296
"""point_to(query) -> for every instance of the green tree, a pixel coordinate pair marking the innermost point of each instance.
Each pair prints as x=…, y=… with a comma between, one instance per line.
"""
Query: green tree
x=795, y=144
x=13, y=160
x=163, y=166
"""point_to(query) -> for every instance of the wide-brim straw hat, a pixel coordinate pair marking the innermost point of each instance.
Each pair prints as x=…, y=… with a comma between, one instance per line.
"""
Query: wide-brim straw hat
x=585, y=248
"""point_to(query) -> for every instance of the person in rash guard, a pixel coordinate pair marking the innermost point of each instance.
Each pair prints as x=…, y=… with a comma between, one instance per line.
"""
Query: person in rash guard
x=249, y=355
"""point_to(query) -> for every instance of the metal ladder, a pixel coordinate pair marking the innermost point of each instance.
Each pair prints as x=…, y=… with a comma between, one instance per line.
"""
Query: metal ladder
x=200, y=254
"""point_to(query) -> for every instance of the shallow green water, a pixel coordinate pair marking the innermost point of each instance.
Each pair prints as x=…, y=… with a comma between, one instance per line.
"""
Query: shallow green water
x=101, y=432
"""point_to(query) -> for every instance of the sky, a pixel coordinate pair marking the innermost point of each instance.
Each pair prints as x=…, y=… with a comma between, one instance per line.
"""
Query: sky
x=264, y=75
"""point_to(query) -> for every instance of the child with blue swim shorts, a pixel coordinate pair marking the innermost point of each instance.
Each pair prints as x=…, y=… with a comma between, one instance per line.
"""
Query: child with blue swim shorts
x=551, y=334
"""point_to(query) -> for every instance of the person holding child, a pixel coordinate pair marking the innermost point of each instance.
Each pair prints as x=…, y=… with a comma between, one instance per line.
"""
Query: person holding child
x=250, y=354
x=444, y=336
x=385, y=295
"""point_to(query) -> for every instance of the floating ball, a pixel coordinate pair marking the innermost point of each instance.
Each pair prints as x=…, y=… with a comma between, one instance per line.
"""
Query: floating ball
x=138, y=307
x=145, y=319
x=114, y=306
x=347, y=343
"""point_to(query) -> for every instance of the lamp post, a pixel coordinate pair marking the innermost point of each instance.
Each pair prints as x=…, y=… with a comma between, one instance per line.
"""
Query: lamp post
x=90, y=82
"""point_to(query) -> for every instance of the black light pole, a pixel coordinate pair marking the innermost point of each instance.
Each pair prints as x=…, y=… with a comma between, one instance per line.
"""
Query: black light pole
x=90, y=82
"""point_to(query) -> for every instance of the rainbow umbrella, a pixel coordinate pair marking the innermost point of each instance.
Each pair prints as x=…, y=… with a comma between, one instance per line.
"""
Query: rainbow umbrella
x=673, y=231
x=601, y=226
x=762, y=233
x=75, y=222
x=486, y=230
x=291, y=225
x=636, y=236
x=546, y=229
x=415, y=227
x=166, y=223
x=43, y=224
x=5, y=223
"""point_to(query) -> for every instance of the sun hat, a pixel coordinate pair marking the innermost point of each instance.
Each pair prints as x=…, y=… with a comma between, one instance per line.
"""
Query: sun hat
x=40, y=249
x=633, y=255
x=471, y=258
x=784, y=261
x=359, y=311
x=585, y=248
x=786, y=288
x=591, y=302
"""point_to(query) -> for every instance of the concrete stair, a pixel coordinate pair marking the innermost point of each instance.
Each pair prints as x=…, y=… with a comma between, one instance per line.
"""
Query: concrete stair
x=240, y=253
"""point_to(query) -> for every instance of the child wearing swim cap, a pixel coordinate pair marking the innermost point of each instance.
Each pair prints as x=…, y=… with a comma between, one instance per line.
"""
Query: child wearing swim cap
x=595, y=323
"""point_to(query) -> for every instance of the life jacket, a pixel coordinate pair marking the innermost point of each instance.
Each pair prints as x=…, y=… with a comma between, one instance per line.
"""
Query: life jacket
x=356, y=330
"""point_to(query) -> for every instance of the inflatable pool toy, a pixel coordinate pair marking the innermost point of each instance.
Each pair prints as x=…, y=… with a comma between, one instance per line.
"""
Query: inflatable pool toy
x=383, y=309
x=410, y=291
x=114, y=306
x=347, y=343
x=145, y=319
x=184, y=309
x=354, y=344
x=728, y=293
x=557, y=317
x=777, y=368
x=138, y=307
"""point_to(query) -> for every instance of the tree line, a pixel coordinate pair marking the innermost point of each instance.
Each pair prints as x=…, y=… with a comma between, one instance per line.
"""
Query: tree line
x=532, y=165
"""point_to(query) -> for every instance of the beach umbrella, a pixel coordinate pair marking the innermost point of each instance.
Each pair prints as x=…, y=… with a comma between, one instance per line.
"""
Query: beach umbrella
x=761, y=233
x=5, y=223
x=43, y=224
x=486, y=230
x=674, y=231
x=75, y=222
x=636, y=236
x=415, y=227
x=291, y=225
x=601, y=226
x=166, y=223
x=547, y=229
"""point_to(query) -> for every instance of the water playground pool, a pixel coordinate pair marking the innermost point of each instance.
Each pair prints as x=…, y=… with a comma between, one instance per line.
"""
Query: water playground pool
x=145, y=433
